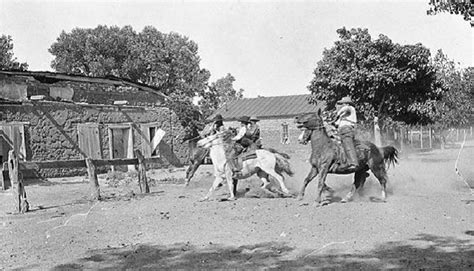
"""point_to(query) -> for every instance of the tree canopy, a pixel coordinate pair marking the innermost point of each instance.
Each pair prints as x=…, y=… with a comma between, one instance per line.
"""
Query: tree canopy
x=384, y=79
x=219, y=93
x=455, y=106
x=168, y=61
x=7, y=59
x=464, y=8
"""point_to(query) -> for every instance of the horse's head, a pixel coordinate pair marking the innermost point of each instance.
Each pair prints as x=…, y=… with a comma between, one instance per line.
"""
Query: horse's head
x=307, y=123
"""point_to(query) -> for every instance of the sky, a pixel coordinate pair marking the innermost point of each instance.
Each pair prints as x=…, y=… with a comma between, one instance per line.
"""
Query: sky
x=270, y=47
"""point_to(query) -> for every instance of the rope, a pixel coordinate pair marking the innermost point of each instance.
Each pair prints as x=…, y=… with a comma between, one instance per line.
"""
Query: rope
x=456, y=169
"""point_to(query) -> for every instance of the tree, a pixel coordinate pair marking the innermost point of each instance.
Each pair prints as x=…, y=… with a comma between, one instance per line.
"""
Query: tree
x=455, y=106
x=463, y=8
x=386, y=80
x=169, y=62
x=219, y=93
x=97, y=52
x=7, y=60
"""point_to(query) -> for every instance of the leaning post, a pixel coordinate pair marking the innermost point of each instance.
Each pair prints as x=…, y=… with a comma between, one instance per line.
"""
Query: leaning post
x=142, y=180
x=94, y=183
x=18, y=188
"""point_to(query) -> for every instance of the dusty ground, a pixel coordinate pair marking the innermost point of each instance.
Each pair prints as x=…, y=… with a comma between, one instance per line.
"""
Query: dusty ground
x=428, y=222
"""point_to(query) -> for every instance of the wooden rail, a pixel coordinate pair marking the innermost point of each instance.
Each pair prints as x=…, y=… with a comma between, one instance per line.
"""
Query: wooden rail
x=15, y=167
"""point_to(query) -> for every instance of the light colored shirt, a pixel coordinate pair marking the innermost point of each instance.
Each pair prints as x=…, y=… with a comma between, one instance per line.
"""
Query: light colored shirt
x=241, y=133
x=346, y=116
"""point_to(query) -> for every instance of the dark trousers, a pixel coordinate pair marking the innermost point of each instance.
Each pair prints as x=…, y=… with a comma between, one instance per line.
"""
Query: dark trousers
x=347, y=134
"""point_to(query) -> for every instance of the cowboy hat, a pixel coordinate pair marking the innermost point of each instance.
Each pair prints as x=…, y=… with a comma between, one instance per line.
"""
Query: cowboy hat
x=218, y=117
x=345, y=100
x=254, y=118
x=245, y=119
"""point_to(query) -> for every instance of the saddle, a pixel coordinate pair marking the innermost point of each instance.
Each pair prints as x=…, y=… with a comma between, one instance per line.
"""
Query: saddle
x=341, y=156
x=244, y=156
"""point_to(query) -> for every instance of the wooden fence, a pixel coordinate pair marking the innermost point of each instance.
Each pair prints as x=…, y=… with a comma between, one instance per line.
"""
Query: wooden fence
x=425, y=137
x=14, y=167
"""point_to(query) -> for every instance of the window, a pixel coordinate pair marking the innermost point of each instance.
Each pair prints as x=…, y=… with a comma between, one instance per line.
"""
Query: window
x=151, y=137
x=121, y=143
x=285, y=139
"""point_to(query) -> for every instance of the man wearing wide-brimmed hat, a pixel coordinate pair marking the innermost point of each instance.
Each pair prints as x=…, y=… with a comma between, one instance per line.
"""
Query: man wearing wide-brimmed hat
x=243, y=141
x=254, y=132
x=346, y=122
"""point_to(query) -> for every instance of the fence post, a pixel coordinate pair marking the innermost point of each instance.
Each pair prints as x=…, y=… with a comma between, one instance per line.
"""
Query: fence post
x=18, y=188
x=421, y=137
x=429, y=134
x=3, y=168
x=94, y=183
x=142, y=180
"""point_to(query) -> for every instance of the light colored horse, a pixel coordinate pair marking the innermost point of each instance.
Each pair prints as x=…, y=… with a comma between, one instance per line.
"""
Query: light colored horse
x=268, y=162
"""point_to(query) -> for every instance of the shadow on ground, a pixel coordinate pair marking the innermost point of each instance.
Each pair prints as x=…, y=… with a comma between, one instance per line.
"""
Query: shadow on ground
x=431, y=252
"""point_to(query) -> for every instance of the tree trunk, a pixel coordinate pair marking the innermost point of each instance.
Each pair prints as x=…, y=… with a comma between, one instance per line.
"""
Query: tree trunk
x=377, y=135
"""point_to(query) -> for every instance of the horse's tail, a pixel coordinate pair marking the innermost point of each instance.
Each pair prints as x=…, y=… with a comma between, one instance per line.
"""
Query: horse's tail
x=390, y=155
x=272, y=150
x=282, y=164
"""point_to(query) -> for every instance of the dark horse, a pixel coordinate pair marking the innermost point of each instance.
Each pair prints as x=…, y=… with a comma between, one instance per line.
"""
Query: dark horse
x=326, y=158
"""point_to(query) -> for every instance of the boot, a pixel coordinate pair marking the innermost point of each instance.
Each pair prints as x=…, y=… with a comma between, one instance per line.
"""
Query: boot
x=349, y=148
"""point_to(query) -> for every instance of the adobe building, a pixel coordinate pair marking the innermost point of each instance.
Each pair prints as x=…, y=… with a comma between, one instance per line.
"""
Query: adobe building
x=50, y=116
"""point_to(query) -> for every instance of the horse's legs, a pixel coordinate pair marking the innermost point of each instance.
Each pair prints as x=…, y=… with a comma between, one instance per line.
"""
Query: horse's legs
x=191, y=170
x=231, y=183
x=279, y=178
x=216, y=182
x=359, y=180
x=321, y=185
x=197, y=160
x=312, y=173
x=264, y=177
x=381, y=175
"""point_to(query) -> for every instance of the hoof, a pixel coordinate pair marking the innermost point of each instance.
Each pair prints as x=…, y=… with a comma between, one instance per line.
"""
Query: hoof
x=323, y=203
x=346, y=200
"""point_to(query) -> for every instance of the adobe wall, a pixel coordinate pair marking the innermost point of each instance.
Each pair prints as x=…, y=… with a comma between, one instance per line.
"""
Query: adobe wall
x=52, y=130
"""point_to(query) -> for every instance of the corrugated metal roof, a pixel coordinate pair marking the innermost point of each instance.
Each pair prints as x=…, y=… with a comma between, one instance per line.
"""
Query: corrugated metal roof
x=268, y=107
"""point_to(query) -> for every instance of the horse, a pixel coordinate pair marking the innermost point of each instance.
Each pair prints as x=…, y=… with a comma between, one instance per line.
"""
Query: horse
x=325, y=159
x=265, y=163
x=197, y=155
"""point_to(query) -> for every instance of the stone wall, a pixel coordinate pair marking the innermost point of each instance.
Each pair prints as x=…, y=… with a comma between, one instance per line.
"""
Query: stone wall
x=51, y=130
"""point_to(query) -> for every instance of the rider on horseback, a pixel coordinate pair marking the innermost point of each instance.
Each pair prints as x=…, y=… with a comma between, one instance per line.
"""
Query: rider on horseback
x=254, y=132
x=346, y=121
x=243, y=141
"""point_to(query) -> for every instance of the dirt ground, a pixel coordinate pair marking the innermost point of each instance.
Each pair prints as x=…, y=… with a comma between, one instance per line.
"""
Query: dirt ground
x=427, y=222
